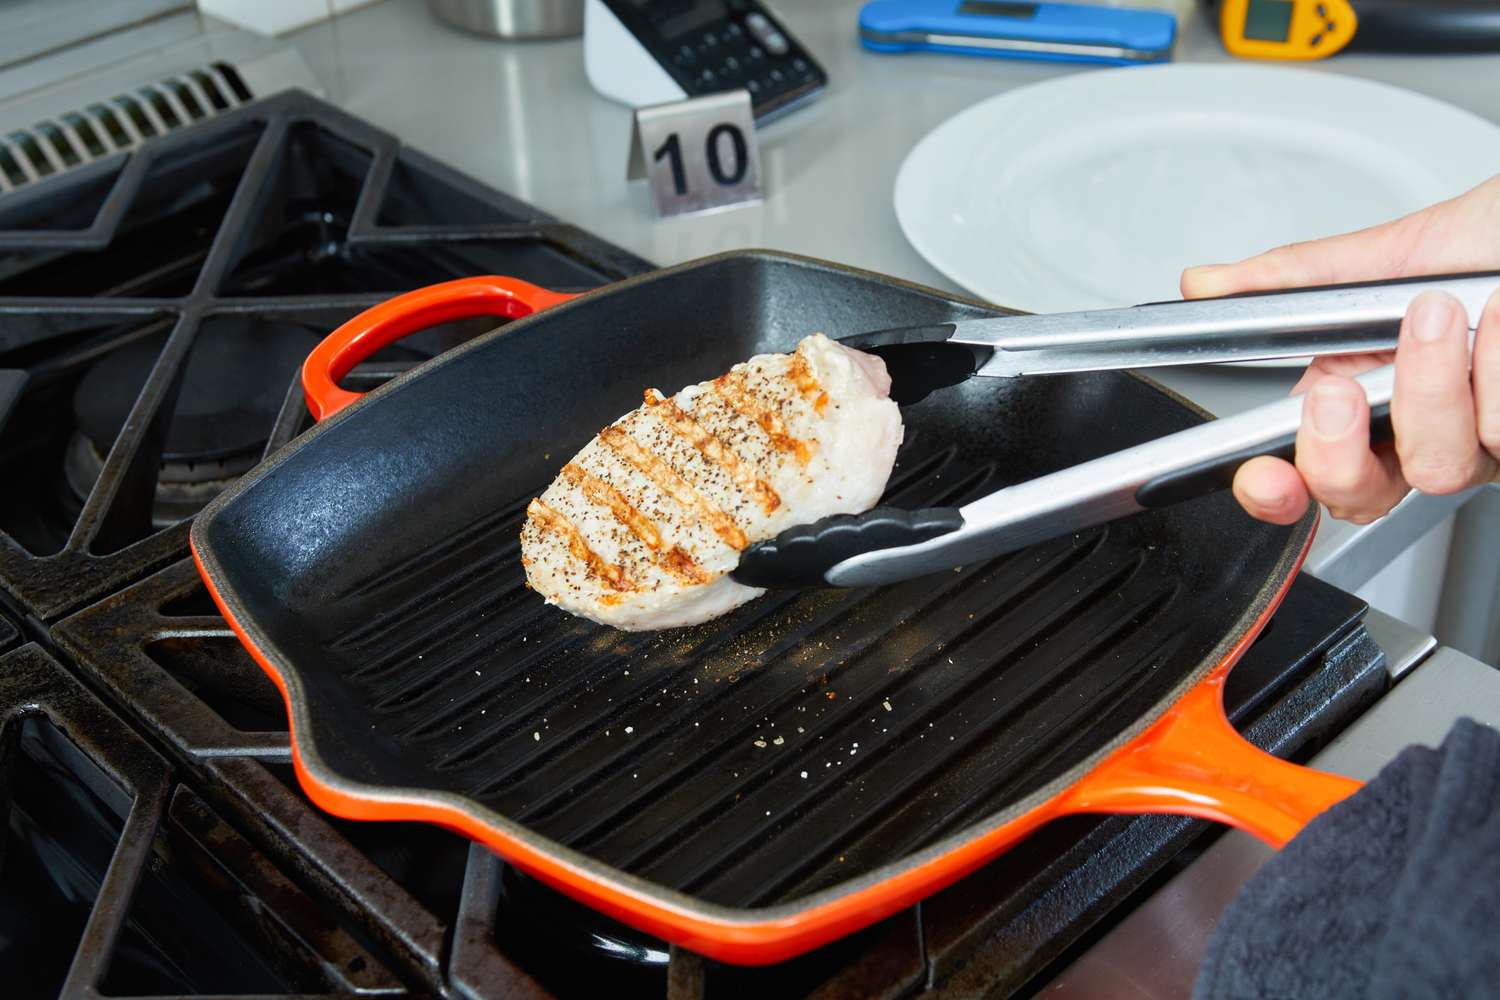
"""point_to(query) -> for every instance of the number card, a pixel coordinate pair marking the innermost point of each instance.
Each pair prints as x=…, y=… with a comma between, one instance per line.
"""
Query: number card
x=699, y=154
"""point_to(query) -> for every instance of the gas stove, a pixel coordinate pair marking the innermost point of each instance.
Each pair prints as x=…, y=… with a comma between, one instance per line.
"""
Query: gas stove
x=154, y=310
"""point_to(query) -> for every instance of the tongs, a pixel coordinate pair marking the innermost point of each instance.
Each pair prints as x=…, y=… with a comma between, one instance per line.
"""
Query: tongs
x=887, y=544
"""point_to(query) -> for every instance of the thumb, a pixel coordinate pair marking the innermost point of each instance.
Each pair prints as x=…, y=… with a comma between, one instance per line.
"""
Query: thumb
x=1365, y=255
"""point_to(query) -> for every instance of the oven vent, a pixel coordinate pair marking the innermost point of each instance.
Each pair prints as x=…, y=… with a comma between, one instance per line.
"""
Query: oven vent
x=118, y=124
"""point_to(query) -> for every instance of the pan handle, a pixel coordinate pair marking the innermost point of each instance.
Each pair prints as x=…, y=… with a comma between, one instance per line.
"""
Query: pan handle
x=1192, y=762
x=383, y=325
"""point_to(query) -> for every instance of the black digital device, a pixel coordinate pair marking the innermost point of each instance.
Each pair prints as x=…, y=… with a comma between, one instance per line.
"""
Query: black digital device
x=1427, y=26
x=707, y=46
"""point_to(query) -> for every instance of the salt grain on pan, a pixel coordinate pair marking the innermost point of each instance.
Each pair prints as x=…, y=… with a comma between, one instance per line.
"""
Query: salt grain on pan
x=760, y=743
x=779, y=740
x=536, y=735
x=886, y=705
x=804, y=774
x=629, y=730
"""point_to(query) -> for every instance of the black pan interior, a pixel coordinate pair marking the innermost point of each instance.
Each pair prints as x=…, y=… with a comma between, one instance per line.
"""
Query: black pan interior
x=797, y=743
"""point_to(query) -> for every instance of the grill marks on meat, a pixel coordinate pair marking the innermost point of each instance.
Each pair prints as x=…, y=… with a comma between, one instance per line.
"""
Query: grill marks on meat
x=755, y=396
x=714, y=450
x=800, y=372
x=642, y=527
x=550, y=520
x=673, y=485
x=673, y=559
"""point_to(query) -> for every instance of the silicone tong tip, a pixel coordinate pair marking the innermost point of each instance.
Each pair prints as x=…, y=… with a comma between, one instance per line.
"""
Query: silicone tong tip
x=920, y=359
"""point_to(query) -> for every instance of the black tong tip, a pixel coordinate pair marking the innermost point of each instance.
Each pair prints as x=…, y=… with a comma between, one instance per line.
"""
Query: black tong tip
x=920, y=359
x=802, y=555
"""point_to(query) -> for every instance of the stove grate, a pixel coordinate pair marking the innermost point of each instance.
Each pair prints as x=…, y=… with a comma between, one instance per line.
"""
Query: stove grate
x=285, y=215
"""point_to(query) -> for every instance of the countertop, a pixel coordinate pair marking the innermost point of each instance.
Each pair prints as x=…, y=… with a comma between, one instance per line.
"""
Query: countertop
x=522, y=117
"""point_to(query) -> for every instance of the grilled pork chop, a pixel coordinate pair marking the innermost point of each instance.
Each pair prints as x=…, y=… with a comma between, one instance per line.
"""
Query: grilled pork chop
x=643, y=526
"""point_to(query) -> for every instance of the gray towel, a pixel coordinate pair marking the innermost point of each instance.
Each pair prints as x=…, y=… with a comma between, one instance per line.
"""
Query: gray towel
x=1394, y=892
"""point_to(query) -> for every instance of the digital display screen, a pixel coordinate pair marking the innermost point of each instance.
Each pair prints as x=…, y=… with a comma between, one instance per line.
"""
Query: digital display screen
x=998, y=8
x=674, y=18
x=1268, y=20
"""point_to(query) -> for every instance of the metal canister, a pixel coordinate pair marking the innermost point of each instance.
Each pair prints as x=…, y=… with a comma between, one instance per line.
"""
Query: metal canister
x=513, y=18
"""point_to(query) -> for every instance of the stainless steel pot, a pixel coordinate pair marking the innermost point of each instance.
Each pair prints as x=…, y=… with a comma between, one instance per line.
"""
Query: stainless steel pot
x=513, y=18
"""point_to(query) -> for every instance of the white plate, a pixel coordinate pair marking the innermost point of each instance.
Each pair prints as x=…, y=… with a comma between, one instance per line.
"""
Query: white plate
x=1096, y=189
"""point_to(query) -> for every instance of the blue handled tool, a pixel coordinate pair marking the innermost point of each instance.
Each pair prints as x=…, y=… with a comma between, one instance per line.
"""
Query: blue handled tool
x=1055, y=31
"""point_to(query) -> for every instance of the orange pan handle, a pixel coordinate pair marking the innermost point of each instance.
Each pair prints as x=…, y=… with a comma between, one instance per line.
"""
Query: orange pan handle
x=1193, y=763
x=383, y=325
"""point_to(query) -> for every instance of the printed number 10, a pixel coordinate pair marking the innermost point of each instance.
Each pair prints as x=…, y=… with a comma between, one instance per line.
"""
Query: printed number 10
x=672, y=150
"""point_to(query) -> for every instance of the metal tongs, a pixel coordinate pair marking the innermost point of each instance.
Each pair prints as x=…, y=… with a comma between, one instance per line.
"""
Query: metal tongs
x=886, y=544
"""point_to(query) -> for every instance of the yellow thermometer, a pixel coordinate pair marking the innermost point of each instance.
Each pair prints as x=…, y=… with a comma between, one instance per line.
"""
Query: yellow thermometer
x=1286, y=29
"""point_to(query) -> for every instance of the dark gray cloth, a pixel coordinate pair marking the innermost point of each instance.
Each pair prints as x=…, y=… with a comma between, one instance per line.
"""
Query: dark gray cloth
x=1394, y=892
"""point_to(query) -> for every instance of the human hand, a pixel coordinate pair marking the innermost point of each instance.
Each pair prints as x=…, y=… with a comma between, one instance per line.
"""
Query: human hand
x=1446, y=417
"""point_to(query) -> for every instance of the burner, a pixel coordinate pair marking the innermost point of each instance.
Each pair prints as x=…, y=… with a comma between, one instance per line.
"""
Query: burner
x=570, y=948
x=233, y=385
x=530, y=908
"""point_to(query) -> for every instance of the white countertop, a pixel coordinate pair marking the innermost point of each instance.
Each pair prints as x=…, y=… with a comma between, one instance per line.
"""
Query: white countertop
x=521, y=117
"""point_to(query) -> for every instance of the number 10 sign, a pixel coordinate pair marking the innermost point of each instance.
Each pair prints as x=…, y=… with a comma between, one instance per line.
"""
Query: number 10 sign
x=700, y=153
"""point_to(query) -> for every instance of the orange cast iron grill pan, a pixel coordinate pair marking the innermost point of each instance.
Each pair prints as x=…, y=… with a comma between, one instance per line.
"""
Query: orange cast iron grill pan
x=762, y=784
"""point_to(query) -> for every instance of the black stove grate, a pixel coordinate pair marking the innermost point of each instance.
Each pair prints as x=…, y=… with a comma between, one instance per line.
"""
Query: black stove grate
x=158, y=845
x=119, y=879
x=127, y=284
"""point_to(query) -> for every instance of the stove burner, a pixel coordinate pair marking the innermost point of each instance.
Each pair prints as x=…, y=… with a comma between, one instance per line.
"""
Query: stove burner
x=231, y=389
x=182, y=489
x=529, y=908
x=235, y=380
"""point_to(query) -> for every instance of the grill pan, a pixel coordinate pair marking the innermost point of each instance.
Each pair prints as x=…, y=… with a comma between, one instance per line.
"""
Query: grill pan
x=759, y=785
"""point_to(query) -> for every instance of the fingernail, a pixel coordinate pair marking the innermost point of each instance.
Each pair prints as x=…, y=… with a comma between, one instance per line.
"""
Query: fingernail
x=1431, y=317
x=1265, y=499
x=1333, y=408
x=1202, y=279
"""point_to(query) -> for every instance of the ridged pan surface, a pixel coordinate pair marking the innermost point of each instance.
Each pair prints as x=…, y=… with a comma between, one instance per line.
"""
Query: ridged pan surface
x=799, y=743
